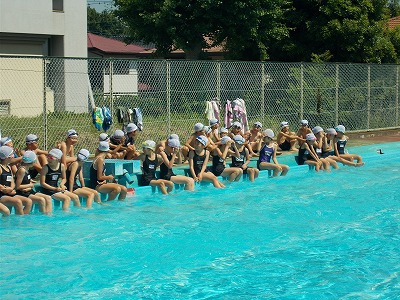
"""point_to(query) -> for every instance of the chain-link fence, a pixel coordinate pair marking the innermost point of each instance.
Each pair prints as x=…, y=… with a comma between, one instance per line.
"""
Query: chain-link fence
x=48, y=96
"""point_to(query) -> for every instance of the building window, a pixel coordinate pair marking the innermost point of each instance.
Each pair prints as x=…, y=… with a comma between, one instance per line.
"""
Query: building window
x=58, y=5
x=4, y=107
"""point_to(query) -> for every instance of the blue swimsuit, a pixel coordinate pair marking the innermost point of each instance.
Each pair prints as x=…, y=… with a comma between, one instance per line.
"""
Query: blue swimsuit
x=266, y=154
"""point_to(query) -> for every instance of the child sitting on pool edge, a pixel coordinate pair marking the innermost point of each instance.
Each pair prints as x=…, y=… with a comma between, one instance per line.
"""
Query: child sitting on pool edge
x=149, y=162
x=267, y=150
x=244, y=158
x=50, y=177
x=198, y=160
x=105, y=184
x=74, y=173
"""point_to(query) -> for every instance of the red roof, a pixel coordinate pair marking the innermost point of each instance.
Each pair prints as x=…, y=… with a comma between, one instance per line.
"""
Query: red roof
x=394, y=22
x=108, y=45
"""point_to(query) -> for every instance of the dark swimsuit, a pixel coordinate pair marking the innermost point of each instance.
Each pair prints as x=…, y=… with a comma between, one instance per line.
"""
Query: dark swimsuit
x=218, y=165
x=149, y=171
x=327, y=153
x=26, y=180
x=285, y=146
x=165, y=172
x=5, y=178
x=303, y=156
x=238, y=162
x=52, y=178
x=340, y=146
x=94, y=182
x=198, y=161
x=68, y=175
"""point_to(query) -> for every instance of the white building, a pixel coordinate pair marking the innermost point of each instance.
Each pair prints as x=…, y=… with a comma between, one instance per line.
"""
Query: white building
x=43, y=28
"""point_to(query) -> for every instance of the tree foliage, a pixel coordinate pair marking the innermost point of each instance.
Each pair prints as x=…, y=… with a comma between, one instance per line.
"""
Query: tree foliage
x=105, y=23
x=337, y=30
x=282, y=30
x=244, y=27
x=394, y=8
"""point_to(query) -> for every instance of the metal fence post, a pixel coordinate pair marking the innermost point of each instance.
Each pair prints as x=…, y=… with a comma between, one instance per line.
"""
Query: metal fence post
x=44, y=60
x=111, y=70
x=262, y=94
x=301, y=91
x=397, y=95
x=337, y=96
x=218, y=73
x=369, y=96
x=168, y=90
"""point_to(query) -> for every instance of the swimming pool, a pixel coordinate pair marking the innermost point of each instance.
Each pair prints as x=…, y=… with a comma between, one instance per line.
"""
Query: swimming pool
x=308, y=235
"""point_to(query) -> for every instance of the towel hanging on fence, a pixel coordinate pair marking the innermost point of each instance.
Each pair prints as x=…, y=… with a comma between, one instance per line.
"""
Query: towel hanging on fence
x=209, y=111
x=124, y=115
x=240, y=114
x=98, y=117
x=107, y=122
x=138, y=118
x=216, y=106
x=228, y=114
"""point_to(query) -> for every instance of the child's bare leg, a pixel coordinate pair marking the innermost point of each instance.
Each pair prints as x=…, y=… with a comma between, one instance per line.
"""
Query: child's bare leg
x=14, y=202
x=26, y=202
x=4, y=210
x=210, y=177
x=49, y=202
x=111, y=189
x=251, y=174
x=332, y=162
x=325, y=165
x=285, y=169
x=74, y=198
x=358, y=158
x=233, y=174
x=88, y=195
x=41, y=201
x=169, y=185
x=122, y=193
x=315, y=164
x=94, y=192
x=292, y=144
x=66, y=201
x=187, y=181
x=160, y=185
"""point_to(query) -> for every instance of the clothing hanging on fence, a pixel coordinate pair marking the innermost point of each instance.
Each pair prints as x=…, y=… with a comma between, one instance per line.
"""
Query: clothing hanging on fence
x=209, y=111
x=228, y=114
x=137, y=118
x=124, y=115
x=98, y=117
x=216, y=107
x=107, y=122
x=240, y=114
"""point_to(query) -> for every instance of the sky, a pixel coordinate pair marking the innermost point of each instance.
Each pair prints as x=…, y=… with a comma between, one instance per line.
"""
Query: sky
x=100, y=5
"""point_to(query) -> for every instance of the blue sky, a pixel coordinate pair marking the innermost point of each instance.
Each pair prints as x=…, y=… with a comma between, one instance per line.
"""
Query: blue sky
x=100, y=5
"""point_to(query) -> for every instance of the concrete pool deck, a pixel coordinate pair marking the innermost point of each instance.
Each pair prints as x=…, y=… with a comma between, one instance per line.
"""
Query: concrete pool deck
x=373, y=137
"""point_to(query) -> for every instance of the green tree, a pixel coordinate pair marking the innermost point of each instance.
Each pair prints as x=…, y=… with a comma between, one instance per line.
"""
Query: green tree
x=250, y=27
x=105, y=23
x=245, y=27
x=394, y=7
x=337, y=30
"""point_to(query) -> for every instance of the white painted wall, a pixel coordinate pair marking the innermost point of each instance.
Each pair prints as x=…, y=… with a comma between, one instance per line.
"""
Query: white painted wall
x=32, y=27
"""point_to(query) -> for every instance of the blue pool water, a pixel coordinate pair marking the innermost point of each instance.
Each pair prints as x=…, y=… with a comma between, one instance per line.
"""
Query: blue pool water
x=307, y=235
